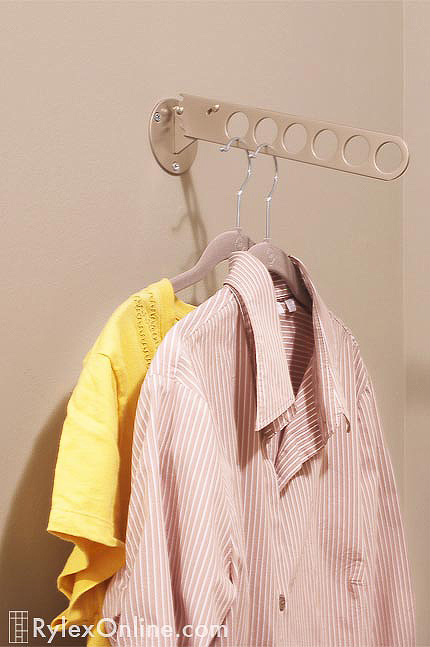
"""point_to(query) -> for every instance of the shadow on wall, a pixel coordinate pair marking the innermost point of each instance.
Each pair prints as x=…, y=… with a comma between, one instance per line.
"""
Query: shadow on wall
x=199, y=237
x=31, y=558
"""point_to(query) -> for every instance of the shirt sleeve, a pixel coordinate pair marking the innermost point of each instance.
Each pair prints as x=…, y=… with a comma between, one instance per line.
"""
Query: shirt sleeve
x=85, y=485
x=391, y=592
x=177, y=573
x=88, y=457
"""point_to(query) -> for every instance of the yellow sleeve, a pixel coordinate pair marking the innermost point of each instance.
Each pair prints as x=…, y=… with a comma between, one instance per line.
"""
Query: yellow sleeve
x=88, y=459
x=85, y=490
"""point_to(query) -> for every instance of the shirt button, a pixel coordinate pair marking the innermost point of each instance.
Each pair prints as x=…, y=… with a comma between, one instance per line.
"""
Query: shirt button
x=281, y=602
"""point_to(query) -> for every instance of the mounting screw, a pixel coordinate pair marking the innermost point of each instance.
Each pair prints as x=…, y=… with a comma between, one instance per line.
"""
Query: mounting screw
x=212, y=109
x=157, y=117
x=175, y=166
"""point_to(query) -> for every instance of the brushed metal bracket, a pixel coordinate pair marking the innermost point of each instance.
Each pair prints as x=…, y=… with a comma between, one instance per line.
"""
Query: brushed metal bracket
x=176, y=125
x=173, y=151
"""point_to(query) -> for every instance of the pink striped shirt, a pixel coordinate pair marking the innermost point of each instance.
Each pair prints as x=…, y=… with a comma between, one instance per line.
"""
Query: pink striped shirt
x=263, y=498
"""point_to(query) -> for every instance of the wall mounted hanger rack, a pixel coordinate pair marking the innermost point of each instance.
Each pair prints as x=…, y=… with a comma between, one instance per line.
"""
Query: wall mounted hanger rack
x=176, y=125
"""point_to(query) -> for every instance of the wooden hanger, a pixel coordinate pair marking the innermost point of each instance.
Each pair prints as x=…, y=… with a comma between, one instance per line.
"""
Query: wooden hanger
x=223, y=245
x=274, y=258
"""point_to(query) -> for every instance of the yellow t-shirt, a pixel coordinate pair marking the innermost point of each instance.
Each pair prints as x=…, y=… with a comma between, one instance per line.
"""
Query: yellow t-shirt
x=92, y=475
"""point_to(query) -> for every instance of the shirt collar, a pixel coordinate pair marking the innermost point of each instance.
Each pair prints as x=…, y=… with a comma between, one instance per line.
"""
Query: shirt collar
x=252, y=282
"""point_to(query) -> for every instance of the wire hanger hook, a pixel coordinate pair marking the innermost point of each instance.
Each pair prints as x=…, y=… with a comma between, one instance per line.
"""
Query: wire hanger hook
x=272, y=190
x=239, y=193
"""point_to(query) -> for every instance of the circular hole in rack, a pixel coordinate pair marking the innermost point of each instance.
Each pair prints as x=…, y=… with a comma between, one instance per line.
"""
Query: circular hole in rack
x=388, y=157
x=295, y=137
x=266, y=131
x=237, y=124
x=356, y=150
x=325, y=144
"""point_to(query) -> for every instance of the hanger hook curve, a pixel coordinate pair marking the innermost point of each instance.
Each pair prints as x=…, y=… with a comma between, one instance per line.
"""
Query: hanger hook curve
x=239, y=193
x=274, y=185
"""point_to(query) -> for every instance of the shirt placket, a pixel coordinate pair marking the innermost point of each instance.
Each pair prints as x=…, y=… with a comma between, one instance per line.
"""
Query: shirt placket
x=280, y=601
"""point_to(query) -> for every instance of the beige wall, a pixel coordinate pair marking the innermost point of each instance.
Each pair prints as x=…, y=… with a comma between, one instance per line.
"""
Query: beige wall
x=87, y=216
x=416, y=304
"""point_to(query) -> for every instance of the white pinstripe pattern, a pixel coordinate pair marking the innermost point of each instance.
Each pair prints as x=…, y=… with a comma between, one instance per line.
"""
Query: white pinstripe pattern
x=259, y=471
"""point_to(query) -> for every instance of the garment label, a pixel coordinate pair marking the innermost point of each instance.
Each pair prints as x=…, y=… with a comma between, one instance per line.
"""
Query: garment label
x=291, y=305
x=281, y=307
